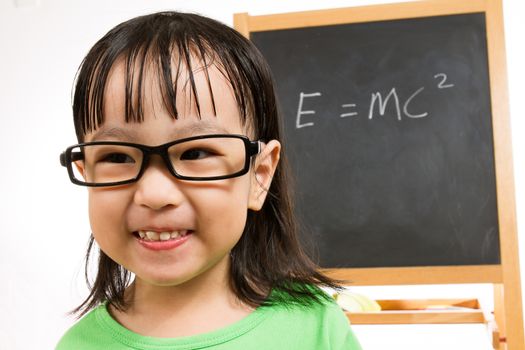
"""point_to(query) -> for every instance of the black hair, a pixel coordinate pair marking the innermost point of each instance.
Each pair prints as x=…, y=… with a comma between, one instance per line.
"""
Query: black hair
x=269, y=255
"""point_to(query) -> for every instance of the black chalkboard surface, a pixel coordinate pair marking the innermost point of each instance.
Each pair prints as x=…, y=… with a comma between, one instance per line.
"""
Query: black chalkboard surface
x=388, y=128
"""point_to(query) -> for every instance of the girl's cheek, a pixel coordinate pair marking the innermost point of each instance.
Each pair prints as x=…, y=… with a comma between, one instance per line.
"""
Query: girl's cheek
x=107, y=205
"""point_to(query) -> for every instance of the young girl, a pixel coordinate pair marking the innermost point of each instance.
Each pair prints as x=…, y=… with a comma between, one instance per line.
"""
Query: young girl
x=179, y=147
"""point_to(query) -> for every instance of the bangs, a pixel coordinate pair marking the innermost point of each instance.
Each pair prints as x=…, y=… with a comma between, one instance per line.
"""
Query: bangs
x=165, y=46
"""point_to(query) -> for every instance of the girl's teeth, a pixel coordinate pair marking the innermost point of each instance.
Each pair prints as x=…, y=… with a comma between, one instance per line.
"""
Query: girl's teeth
x=152, y=235
x=163, y=236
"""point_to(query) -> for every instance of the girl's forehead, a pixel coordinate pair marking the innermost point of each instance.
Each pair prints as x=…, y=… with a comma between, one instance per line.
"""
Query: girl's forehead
x=195, y=90
x=209, y=107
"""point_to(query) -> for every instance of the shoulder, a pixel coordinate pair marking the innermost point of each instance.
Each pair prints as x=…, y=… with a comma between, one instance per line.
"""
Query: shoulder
x=320, y=310
x=88, y=333
x=320, y=322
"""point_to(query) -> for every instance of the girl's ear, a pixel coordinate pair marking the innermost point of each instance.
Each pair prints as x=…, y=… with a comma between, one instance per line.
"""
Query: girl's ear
x=80, y=167
x=265, y=165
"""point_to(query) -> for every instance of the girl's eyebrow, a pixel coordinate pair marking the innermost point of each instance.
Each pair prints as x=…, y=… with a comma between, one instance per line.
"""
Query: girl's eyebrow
x=202, y=127
x=114, y=133
x=121, y=134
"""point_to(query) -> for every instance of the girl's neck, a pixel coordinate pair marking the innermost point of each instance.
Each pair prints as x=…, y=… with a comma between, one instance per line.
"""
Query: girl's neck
x=201, y=305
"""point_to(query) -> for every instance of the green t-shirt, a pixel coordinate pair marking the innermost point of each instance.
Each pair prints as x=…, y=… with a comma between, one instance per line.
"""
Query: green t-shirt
x=317, y=327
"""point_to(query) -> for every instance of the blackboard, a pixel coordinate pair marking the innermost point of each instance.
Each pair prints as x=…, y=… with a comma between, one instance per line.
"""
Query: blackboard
x=388, y=129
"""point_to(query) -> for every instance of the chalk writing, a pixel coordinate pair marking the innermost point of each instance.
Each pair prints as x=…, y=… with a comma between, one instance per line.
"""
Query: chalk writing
x=350, y=114
x=405, y=106
x=300, y=111
x=442, y=84
x=376, y=96
x=378, y=104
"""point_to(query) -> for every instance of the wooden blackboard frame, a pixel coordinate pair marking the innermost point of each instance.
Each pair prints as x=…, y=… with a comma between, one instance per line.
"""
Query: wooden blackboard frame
x=504, y=276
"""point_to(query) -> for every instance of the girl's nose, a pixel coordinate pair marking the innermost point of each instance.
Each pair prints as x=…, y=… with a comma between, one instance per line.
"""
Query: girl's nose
x=157, y=188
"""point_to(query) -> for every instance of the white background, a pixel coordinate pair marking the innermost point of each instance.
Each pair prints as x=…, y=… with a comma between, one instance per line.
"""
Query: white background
x=44, y=218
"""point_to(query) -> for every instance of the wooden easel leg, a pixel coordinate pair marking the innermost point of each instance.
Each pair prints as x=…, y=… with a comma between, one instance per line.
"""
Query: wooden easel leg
x=493, y=331
x=496, y=343
x=508, y=315
x=498, y=333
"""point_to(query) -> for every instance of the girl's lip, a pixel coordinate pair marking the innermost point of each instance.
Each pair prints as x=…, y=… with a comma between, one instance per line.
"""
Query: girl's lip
x=163, y=245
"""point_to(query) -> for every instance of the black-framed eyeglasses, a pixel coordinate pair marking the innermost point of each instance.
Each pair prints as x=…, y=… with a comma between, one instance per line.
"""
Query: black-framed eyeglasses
x=197, y=158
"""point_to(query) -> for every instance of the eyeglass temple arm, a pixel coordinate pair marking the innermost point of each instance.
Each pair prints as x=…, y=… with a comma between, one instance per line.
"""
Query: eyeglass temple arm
x=74, y=157
x=255, y=147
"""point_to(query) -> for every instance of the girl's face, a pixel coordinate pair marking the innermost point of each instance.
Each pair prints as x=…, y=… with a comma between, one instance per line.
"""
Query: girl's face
x=212, y=213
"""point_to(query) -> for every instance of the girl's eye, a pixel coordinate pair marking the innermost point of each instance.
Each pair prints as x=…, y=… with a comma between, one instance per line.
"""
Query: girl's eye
x=117, y=158
x=194, y=154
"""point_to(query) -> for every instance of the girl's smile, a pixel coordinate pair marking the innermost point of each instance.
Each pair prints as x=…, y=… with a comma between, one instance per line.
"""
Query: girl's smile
x=162, y=239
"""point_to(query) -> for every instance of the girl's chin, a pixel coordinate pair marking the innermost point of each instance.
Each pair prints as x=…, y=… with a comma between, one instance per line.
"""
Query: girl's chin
x=162, y=280
x=180, y=276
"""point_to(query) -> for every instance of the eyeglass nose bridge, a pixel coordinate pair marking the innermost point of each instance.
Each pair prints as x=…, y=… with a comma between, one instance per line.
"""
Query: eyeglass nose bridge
x=162, y=152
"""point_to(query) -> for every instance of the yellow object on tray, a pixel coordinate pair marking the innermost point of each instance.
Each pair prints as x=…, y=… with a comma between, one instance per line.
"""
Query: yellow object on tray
x=354, y=302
